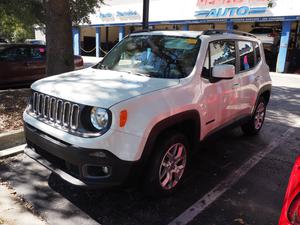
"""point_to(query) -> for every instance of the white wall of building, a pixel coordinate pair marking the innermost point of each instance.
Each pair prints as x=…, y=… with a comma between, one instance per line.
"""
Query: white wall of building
x=130, y=11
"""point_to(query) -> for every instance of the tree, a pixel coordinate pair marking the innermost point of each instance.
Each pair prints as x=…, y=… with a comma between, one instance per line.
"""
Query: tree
x=57, y=16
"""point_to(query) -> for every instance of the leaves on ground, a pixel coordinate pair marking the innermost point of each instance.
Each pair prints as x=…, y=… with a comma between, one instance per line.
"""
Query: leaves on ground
x=12, y=105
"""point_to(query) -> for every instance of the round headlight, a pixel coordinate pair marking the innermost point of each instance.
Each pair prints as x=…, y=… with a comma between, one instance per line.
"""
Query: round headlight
x=99, y=118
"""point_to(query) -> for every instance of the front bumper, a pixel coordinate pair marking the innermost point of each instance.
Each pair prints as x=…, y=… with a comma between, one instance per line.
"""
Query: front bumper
x=89, y=168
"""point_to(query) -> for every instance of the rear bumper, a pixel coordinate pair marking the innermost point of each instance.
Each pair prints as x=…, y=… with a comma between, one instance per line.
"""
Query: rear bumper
x=88, y=168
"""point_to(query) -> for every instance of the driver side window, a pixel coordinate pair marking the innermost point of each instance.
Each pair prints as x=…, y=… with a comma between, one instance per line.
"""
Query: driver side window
x=220, y=52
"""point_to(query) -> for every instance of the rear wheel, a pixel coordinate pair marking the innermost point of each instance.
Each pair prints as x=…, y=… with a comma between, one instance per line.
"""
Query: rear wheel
x=254, y=125
x=168, y=166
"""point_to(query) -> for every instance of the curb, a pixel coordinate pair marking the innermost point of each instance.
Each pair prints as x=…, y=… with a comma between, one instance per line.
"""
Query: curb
x=11, y=139
x=11, y=151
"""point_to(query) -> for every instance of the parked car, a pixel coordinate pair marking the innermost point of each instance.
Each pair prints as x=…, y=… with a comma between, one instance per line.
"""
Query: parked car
x=22, y=64
x=137, y=114
x=290, y=214
x=267, y=35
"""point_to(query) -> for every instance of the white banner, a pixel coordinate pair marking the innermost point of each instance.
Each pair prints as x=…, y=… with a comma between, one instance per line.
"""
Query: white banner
x=130, y=11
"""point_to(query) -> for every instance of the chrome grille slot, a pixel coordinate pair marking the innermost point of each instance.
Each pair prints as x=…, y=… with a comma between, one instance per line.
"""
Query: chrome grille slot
x=74, y=116
x=55, y=111
x=52, y=107
x=40, y=104
x=66, y=114
x=34, y=102
x=59, y=111
x=46, y=106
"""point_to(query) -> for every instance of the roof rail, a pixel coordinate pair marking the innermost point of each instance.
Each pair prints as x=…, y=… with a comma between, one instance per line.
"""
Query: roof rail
x=146, y=30
x=141, y=31
x=212, y=32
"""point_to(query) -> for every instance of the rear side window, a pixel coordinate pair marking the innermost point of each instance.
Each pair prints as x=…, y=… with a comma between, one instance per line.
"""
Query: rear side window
x=257, y=52
x=247, y=56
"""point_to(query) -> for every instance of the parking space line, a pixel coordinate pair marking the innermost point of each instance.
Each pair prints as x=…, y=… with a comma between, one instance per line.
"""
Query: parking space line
x=199, y=206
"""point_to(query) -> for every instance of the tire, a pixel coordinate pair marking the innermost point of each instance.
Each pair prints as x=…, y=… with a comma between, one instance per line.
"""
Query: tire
x=254, y=125
x=166, y=164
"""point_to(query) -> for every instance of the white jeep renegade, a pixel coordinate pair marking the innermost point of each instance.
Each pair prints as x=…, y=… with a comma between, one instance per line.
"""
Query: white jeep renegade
x=139, y=112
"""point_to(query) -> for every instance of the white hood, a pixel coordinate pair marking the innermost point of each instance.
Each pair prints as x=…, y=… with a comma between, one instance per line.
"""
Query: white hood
x=102, y=88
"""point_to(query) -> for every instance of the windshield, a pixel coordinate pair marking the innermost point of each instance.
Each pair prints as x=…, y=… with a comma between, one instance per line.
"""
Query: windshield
x=157, y=56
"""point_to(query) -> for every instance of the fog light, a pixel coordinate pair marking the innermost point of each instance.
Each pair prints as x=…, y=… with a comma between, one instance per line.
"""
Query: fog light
x=105, y=169
x=95, y=171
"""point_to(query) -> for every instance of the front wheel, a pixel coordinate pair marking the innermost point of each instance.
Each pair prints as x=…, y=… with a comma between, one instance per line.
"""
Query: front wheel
x=167, y=168
x=254, y=125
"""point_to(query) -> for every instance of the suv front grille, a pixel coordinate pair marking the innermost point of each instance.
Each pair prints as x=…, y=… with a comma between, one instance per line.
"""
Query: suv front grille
x=55, y=111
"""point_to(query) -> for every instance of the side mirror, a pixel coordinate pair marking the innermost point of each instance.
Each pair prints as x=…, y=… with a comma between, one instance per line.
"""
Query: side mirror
x=223, y=71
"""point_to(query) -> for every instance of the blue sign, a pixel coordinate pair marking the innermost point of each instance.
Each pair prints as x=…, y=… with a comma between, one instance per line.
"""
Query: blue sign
x=129, y=13
x=230, y=12
x=106, y=16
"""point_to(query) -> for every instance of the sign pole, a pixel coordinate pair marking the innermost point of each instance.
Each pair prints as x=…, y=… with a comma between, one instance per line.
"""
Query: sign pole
x=145, y=14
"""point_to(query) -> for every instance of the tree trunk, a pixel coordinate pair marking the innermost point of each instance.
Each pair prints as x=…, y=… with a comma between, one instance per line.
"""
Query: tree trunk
x=60, y=56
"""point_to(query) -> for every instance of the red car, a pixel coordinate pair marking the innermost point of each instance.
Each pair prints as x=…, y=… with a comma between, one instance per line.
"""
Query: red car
x=22, y=64
x=290, y=214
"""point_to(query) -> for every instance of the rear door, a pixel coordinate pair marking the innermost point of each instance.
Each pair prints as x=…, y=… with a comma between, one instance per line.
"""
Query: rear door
x=224, y=52
x=249, y=73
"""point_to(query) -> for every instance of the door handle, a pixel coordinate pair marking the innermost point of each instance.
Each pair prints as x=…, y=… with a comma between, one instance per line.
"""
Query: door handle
x=257, y=78
x=235, y=85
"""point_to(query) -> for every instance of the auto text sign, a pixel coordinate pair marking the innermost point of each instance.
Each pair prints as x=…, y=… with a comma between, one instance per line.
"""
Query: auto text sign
x=231, y=8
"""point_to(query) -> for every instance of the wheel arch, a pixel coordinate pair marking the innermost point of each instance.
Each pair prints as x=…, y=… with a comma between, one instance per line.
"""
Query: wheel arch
x=264, y=92
x=187, y=122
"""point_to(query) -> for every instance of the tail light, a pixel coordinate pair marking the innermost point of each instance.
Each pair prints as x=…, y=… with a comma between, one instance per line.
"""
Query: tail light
x=78, y=61
x=294, y=211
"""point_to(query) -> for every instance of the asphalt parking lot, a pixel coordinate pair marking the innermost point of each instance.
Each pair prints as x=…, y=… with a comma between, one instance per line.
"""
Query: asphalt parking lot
x=233, y=179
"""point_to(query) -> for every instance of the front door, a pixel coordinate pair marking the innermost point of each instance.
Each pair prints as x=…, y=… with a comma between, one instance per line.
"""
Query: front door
x=224, y=52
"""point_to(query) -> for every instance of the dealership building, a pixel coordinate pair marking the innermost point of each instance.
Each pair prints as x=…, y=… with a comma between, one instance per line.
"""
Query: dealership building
x=117, y=18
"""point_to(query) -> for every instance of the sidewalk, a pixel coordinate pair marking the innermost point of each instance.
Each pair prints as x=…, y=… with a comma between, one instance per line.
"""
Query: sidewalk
x=13, y=212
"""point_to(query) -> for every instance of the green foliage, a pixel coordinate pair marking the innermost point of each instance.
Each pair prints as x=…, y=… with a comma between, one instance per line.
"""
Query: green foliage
x=13, y=29
x=270, y=3
x=80, y=9
x=17, y=17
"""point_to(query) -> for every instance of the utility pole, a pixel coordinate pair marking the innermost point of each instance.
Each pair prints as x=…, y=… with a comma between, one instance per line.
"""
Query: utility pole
x=146, y=14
